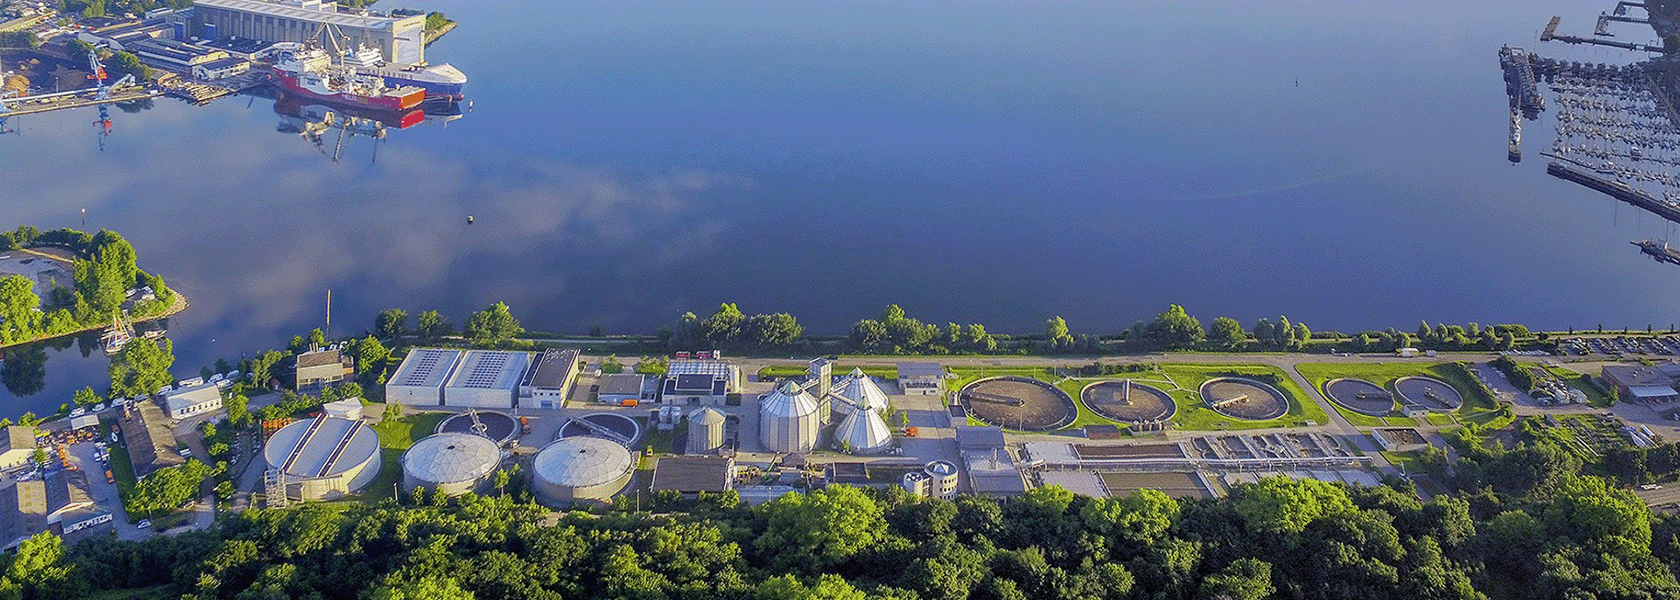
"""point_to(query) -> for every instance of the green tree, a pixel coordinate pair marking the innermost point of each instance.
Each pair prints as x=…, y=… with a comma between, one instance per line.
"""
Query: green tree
x=492, y=325
x=142, y=368
x=975, y=338
x=19, y=319
x=818, y=530
x=1227, y=332
x=86, y=397
x=868, y=335
x=1245, y=579
x=1056, y=334
x=262, y=367
x=427, y=587
x=828, y=587
x=121, y=63
x=779, y=329
x=724, y=326
x=1281, y=505
x=371, y=357
x=391, y=323
x=433, y=326
x=393, y=411
x=1175, y=329
x=238, y=410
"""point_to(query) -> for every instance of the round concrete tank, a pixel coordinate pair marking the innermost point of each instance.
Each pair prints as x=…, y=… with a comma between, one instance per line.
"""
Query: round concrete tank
x=788, y=420
x=581, y=469
x=705, y=431
x=450, y=463
x=324, y=457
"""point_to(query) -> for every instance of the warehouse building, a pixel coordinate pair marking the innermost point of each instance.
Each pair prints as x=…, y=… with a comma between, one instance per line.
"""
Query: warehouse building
x=193, y=400
x=693, y=474
x=700, y=382
x=419, y=379
x=618, y=388
x=150, y=442
x=550, y=379
x=486, y=379
x=399, y=38
x=921, y=378
x=19, y=444
x=1642, y=384
x=321, y=458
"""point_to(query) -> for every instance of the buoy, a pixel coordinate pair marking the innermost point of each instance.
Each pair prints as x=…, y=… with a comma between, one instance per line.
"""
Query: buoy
x=469, y=219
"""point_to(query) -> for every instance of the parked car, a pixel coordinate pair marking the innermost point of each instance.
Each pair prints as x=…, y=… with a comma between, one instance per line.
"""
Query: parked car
x=144, y=524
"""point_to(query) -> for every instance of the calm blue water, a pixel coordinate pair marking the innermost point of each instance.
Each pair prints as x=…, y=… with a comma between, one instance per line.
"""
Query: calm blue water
x=993, y=162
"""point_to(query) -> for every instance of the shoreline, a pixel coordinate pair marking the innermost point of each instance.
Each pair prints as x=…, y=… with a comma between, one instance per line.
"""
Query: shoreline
x=180, y=304
x=431, y=36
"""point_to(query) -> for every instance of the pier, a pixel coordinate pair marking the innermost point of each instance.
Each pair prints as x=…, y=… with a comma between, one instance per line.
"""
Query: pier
x=29, y=105
x=1550, y=33
x=1521, y=86
x=1616, y=189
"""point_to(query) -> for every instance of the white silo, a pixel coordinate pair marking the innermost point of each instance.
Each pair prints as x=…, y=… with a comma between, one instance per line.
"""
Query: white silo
x=788, y=420
x=863, y=432
x=450, y=463
x=858, y=391
x=705, y=431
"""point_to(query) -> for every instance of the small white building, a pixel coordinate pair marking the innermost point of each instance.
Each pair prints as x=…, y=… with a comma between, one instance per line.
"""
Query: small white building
x=700, y=382
x=550, y=379
x=921, y=378
x=349, y=409
x=193, y=400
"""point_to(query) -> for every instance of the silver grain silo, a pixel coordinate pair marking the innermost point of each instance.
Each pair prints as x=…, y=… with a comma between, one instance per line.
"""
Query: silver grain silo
x=705, y=431
x=788, y=420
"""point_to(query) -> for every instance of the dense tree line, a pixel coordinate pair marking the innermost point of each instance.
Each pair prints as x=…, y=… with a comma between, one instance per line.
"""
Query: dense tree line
x=104, y=272
x=1275, y=539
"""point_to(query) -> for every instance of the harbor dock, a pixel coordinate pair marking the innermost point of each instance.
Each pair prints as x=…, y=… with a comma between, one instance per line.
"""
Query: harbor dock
x=1615, y=189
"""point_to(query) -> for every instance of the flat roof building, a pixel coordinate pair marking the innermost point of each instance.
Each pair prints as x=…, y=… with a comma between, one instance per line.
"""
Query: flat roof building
x=176, y=54
x=419, y=379
x=17, y=444
x=618, y=387
x=700, y=382
x=1640, y=383
x=193, y=400
x=550, y=379
x=693, y=474
x=921, y=378
x=23, y=512
x=486, y=379
x=398, y=38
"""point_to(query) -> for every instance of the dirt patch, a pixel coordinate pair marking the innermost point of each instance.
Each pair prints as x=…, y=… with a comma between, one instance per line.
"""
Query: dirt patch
x=1176, y=485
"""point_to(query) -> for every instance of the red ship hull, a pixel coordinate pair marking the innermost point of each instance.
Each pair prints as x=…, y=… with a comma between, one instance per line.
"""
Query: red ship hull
x=288, y=82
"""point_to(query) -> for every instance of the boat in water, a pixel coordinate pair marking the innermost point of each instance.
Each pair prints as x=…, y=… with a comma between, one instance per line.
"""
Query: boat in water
x=311, y=73
x=1659, y=251
x=441, y=82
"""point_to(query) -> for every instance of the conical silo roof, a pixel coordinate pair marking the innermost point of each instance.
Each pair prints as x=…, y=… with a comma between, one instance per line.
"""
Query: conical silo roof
x=788, y=401
x=863, y=431
x=859, y=391
x=706, y=416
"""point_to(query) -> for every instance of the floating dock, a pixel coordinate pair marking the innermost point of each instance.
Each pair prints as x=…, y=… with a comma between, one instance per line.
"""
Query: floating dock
x=1521, y=87
x=1616, y=189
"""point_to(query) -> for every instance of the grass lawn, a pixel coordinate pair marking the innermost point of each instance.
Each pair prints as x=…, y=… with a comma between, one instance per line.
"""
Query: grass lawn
x=401, y=434
x=1195, y=415
x=122, y=468
x=1440, y=419
x=883, y=372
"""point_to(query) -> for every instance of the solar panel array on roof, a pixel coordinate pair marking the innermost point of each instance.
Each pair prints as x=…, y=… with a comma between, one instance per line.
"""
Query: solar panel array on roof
x=428, y=366
x=694, y=383
x=487, y=371
x=698, y=367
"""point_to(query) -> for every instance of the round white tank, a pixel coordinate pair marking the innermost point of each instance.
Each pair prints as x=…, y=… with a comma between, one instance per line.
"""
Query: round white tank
x=705, y=431
x=944, y=478
x=450, y=463
x=323, y=458
x=788, y=421
x=581, y=469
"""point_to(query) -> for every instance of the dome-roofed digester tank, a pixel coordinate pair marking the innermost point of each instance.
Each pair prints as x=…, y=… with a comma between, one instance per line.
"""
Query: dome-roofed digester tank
x=581, y=469
x=450, y=463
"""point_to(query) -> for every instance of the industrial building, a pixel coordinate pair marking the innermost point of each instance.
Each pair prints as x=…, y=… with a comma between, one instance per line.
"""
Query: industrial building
x=486, y=379
x=581, y=470
x=788, y=420
x=618, y=388
x=857, y=392
x=60, y=504
x=400, y=39
x=318, y=368
x=192, y=400
x=171, y=54
x=550, y=379
x=937, y=479
x=991, y=468
x=348, y=408
x=705, y=431
x=19, y=444
x=693, y=474
x=700, y=382
x=921, y=378
x=150, y=442
x=321, y=458
x=419, y=379
x=1640, y=383
x=863, y=431
x=450, y=463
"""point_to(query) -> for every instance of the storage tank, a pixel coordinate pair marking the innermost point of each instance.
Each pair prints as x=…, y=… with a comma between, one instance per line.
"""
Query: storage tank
x=788, y=420
x=450, y=463
x=322, y=458
x=581, y=469
x=705, y=431
x=943, y=475
x=915, y=482
x=863, y=432
x=858, y=391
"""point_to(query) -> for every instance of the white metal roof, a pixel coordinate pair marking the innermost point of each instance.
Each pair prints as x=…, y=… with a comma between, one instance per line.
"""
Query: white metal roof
x=863, y=430
x=1651, y=391
x=276, y=9
x=192, y=396
x=329, y=449
x=425, y=367
x=490, y=370
x=788, y=401
x=582, y=462
x=451, y=458
x=706, y=416
x=860, y=391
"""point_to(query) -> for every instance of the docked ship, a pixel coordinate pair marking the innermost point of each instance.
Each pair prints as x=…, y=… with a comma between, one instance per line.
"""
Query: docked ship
x=1513, y=150
x=1658, y=250
x=311, y=72
x=442, y=82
